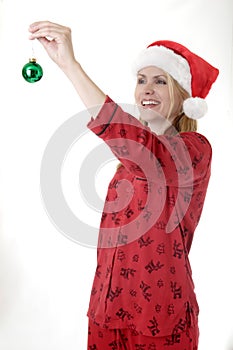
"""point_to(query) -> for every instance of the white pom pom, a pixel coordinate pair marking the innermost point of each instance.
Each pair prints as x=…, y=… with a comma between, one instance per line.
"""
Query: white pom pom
x=195, y=107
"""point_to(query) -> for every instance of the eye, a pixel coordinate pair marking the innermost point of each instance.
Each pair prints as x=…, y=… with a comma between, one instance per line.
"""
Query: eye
x=161, y=81
x=141, y=80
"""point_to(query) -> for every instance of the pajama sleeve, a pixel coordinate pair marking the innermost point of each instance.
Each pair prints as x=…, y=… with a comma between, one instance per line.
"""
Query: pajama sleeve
x=183, y=159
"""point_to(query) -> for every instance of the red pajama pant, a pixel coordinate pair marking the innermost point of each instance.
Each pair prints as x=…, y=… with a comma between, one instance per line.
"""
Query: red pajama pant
x=124, y=339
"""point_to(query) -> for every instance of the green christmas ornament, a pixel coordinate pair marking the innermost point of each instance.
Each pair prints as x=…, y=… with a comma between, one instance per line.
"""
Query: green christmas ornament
x=32, y=71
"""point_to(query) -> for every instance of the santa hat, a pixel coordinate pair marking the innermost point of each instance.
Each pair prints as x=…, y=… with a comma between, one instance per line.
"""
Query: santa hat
x=193, y=73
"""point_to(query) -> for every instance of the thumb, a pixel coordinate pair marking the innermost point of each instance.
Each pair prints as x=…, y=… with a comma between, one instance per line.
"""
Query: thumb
x=50, y=47
x=44, y=41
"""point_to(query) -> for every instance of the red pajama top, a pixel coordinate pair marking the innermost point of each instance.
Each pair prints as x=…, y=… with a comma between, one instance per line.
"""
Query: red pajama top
x=143, y=279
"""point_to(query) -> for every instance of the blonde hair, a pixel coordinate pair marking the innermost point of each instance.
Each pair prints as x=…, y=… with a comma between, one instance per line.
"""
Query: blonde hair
x=181, y=122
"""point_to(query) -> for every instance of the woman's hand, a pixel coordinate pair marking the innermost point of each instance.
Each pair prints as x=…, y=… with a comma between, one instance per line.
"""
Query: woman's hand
x=56, y=40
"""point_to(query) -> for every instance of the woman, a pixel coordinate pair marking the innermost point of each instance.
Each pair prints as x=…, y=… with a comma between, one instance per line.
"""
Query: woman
x=143, y=294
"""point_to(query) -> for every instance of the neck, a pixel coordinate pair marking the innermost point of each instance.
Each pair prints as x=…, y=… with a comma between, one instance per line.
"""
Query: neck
x=159, y=128
x=159, y=124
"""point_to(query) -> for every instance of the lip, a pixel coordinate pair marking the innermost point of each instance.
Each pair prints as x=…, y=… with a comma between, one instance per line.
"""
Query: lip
x=150, y=103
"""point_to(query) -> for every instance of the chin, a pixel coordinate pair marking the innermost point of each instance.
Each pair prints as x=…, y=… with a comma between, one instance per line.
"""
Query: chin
x=150, y=115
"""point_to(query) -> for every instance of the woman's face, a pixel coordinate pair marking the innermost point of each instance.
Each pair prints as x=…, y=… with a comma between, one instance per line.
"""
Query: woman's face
x=152, y=92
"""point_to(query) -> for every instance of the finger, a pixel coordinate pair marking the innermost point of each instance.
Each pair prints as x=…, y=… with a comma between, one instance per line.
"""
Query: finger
x=51, y=34
x=43, y=33
x=38, y=25
x=34, y=27
x=57, y=33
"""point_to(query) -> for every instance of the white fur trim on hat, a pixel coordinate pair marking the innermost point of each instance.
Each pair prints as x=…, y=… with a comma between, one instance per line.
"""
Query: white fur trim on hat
x=195, y=107
x=167, y=60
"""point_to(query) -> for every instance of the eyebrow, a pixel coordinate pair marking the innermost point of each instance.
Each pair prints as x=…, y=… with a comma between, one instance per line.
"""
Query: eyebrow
x=156, y=76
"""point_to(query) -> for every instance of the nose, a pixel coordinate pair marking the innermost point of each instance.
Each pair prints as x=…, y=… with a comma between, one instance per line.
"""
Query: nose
x=149, y=89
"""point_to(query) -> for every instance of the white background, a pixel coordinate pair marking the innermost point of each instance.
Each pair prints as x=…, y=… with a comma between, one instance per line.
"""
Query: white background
x=45, y=278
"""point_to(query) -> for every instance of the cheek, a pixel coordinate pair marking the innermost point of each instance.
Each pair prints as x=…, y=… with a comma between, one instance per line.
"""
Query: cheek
x=137, y=95
x=166, y=103
x=167, y=98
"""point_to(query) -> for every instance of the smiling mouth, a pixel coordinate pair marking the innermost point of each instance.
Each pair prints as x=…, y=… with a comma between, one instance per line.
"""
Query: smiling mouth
x=149, y=103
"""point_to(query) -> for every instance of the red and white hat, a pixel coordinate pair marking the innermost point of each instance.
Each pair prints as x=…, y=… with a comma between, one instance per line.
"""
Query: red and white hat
x=193, y=73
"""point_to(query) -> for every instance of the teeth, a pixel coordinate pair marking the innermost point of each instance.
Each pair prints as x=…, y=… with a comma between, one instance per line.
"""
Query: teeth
x=150, y=102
